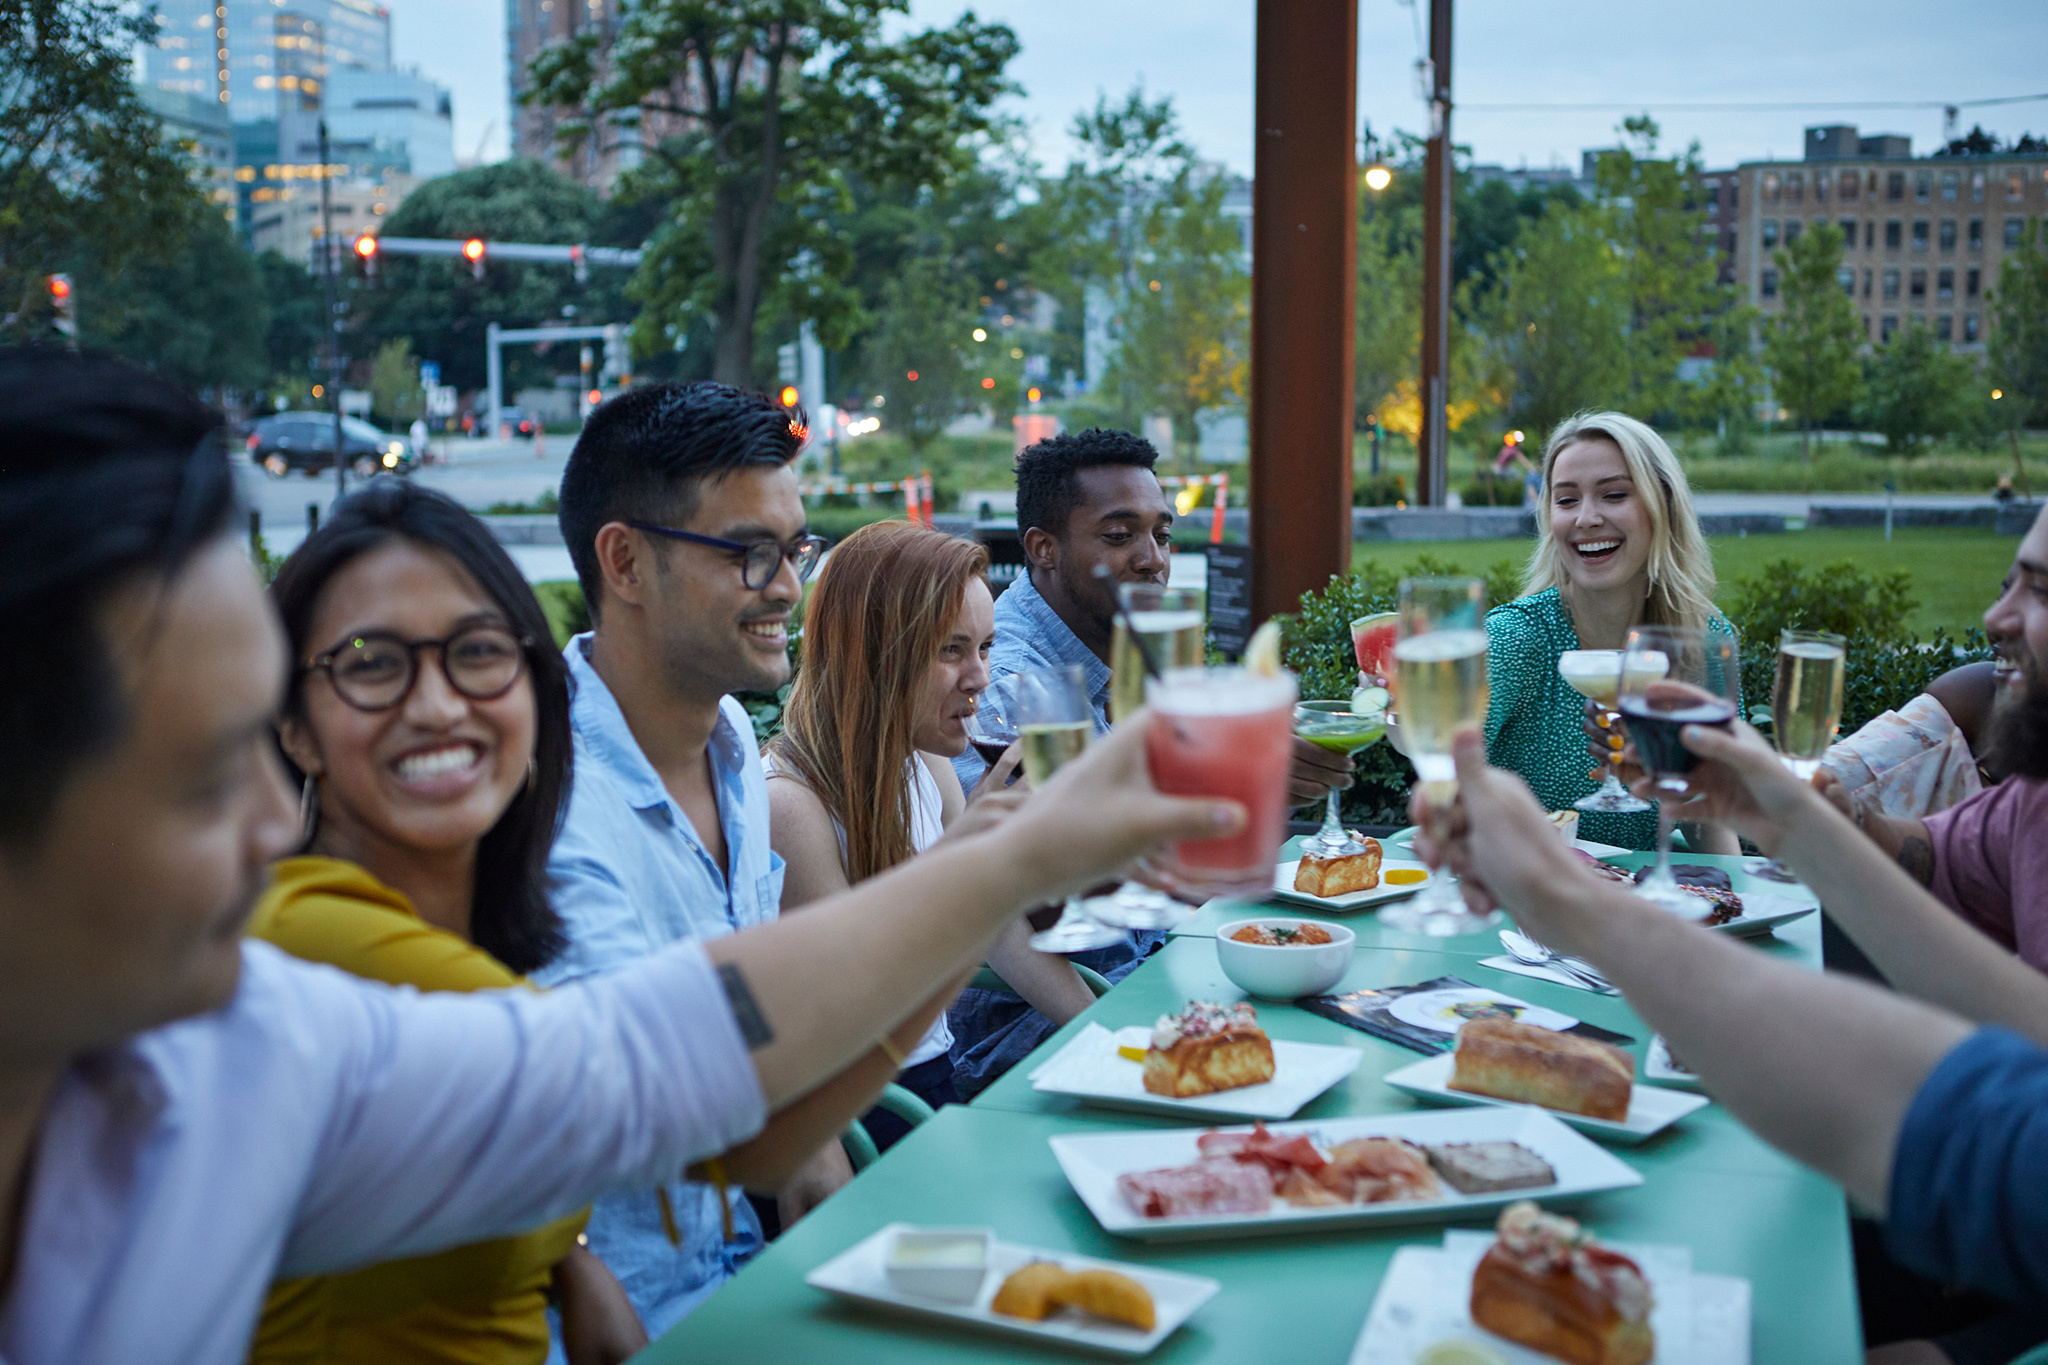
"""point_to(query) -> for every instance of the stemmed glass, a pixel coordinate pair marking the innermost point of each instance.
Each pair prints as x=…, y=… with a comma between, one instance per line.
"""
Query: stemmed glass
x=1055, y=723
x=1806, y=710
x=1672, y=677
x=992, y=725
x=1440, y=685
x=1342, y=728
x=1595, y=674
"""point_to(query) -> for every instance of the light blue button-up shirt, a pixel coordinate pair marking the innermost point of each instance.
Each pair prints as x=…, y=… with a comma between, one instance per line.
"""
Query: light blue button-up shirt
x=630, y=876
x=319, y=1122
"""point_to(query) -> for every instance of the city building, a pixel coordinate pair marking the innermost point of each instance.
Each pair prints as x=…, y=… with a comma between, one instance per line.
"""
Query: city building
x=1922, y=236
x=199, y=123
x=379, y=122
x=288, y=222
x=530, y=27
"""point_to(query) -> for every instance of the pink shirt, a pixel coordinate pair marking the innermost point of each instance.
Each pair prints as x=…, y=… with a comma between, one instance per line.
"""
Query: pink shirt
x=1991, y=864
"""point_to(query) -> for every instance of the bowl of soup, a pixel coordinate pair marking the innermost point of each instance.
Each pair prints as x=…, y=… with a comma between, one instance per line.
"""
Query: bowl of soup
x=1282, y=958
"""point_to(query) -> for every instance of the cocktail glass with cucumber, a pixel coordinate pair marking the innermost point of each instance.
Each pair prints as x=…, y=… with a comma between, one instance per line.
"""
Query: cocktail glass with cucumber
x=1342, y=727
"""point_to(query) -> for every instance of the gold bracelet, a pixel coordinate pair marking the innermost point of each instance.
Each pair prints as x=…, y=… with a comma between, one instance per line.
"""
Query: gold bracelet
x=889, y=1051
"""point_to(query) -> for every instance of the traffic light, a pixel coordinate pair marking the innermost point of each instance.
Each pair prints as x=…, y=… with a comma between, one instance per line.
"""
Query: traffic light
x=366, y=252
x=63, y=305
x=473, y=252
x=789, y=395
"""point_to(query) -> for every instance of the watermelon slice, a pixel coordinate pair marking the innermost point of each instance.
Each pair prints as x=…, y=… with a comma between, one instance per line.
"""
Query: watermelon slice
x=1372, y=639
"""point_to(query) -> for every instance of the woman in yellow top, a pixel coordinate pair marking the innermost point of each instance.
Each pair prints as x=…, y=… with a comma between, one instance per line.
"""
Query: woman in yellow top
x=428, y=719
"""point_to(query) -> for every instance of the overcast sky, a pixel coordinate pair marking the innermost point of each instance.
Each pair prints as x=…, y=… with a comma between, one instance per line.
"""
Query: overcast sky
x=1616, y=52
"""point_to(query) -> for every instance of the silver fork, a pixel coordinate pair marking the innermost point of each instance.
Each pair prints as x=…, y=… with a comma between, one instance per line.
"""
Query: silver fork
x=1522, y=948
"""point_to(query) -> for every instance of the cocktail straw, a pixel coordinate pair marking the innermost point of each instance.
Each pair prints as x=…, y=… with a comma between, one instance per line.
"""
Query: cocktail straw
x=1143, y=647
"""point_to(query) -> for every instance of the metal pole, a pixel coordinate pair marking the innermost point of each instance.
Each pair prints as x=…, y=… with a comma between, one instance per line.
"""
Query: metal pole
x=1436, y=266
x=1304, y=294
x=333, y=313
x=494, y=367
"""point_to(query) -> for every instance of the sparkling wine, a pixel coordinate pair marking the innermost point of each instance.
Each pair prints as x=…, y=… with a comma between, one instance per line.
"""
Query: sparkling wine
x=1653, y=728
x=1046, y=747
x=1175, y=637
x=1806, y=705
x=1440, y=688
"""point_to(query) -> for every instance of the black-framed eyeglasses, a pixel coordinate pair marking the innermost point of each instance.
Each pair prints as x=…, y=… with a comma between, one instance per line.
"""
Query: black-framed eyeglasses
x=376, y=670
x=760, y=560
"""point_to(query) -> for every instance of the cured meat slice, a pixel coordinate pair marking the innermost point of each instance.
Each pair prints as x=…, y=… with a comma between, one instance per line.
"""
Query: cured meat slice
x=1215, y=1185
x=1279, y=1155
x=1377, y=1169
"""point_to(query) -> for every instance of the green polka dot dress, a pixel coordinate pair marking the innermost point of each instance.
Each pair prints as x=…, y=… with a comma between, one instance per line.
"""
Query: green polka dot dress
x=1533, y=718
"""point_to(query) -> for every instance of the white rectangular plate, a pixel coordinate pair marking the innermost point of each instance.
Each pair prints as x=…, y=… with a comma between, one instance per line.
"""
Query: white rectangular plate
x=1093, y=1161
x=860, y=1273
x=1426, y=1293
x=1763, y=911
x=1592, y=848
x=1089, y=1069
x=1283, y=887
x=1659, y=1067
x=1651, y=1108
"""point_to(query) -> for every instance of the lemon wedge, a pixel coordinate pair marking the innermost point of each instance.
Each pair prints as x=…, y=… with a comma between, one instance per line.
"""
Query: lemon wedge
x=1457, y=1352
x=1262, y=652
x=1134, y=1054
x=1404, y=876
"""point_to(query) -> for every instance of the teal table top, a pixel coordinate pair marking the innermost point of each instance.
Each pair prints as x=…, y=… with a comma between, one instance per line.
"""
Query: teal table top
x=1741, y=1207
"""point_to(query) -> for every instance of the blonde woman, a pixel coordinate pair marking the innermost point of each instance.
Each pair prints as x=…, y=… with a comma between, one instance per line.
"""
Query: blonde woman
x=1618, y=545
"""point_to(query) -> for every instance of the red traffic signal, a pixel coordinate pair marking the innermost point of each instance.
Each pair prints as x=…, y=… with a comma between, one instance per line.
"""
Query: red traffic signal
x=366, y=252
x=789, y=395
x=473, y=252
x=63, y=304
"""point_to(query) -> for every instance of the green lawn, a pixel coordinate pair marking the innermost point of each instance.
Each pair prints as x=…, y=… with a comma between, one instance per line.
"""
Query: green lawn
x=1955, y=572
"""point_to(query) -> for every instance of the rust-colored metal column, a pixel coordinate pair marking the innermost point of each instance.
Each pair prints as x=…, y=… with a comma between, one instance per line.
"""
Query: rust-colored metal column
x=1304, y=293
x=1436, y=266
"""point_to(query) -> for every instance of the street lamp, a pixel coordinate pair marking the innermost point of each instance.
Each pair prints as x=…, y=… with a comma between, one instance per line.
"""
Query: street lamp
x=1378, y=178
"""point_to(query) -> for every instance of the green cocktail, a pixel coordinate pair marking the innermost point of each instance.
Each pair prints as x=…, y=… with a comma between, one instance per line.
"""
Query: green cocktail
x=1342, y=727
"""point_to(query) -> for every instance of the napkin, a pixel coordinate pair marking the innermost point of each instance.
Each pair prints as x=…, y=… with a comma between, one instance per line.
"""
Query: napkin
x=1505, y=963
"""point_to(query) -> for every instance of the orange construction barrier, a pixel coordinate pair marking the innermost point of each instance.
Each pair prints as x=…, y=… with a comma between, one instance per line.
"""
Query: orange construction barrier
x=1222, y=501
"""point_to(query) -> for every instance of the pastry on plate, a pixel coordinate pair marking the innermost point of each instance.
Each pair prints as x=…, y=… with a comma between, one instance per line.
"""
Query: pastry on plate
x=1028, y=1292
x=1328, y=877
x=1549, y=1285
x=1106, y=1294
x=1529, y=1065
x=1205, y=1048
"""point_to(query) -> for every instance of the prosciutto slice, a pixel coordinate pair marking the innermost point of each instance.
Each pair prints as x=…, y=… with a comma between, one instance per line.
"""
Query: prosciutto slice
x=1213, y=1185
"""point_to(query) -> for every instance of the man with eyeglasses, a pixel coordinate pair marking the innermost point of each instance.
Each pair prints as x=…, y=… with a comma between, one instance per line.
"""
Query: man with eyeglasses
x=681, y=514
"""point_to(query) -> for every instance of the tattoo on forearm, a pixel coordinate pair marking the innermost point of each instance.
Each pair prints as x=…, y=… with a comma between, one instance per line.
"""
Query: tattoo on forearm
x=1917, y=857
x=746, y=1011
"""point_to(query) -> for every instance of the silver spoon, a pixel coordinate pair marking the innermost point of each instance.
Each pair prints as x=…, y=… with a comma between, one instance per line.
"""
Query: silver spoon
x=1525, y=949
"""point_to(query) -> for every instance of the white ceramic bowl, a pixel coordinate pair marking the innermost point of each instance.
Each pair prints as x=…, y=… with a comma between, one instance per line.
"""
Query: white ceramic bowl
x=1277, y=972
x=939, y=1263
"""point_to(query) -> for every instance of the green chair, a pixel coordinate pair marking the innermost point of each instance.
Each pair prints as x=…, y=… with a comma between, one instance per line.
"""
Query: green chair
x=860, y=1148
x=987, y=980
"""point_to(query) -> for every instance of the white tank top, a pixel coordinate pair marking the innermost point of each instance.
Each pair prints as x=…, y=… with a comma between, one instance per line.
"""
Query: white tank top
x=927, y=824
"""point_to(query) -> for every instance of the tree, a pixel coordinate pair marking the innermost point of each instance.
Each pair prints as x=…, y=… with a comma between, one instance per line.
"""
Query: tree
x=438, y=304
x=2018, y=349
x=1389, y=342
x=395, y=383
x=82, y=161
x=1557, y=324
x=297, y=306
x=1186, y=336
x=1811, y=346
x=917, y=357
x=1724, y=393
x=1911, y=388
x=752, y=116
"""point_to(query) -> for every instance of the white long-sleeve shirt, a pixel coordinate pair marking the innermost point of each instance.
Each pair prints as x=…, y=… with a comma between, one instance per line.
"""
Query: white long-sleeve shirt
x=319, y=1122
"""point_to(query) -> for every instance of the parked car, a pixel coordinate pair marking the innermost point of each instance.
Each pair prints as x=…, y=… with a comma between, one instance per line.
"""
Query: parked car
x=521, y=422
x=304, y=441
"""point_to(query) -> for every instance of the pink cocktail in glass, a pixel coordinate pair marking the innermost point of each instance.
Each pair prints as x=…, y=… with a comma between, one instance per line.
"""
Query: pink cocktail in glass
x=1228, y=733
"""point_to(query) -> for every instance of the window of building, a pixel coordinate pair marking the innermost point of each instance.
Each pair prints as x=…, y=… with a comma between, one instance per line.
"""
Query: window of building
x=1848, y=234
x=2015, y=185
x=1792, y=226
x=1948, y=234
x=1731, y=242
x=1869, y=233
x=1976, y=234
x=1922, y=187
x=1944, y=328
x=1820, y=187
x=1944, y=284
x=1866, y=283
x=1713, y=193
x=1976, y=187
x=1850, y=184
x=1767, y=286
x=1771, y=185
x=1866, y=326
x=1972, y=279
x=1771, y=233
x=1920, y=234
x=2013, y=227
x=1948, y=187
x=1847, y=279
x=1734, y=194
x=1891, y=284
x=1894, y=185
x=1795, y=187
x=1892, y=238
x=1916, y=285
x=1886, y=327
x=1969, y=328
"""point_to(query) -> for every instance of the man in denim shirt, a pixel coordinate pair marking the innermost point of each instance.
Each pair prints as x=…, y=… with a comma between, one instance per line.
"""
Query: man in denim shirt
x=682, y=516
x=1084, y=499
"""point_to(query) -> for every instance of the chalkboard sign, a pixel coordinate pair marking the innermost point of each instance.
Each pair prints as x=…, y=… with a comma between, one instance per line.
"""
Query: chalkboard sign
x=1230, y=598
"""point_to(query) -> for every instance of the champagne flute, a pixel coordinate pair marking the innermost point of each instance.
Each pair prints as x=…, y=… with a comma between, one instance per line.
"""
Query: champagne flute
x=1595, y=674
x=1055, y=723
x=1672, y=677
x=1169, y=622
x=1440, y=685
x=1343, y=728
x=1806, y=710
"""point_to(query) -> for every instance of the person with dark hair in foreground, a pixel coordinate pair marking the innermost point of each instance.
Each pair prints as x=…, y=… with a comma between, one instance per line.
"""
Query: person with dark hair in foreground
x=1086, y=500
x=1930, y=1106
x=426, y=722
x=186, y=1115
